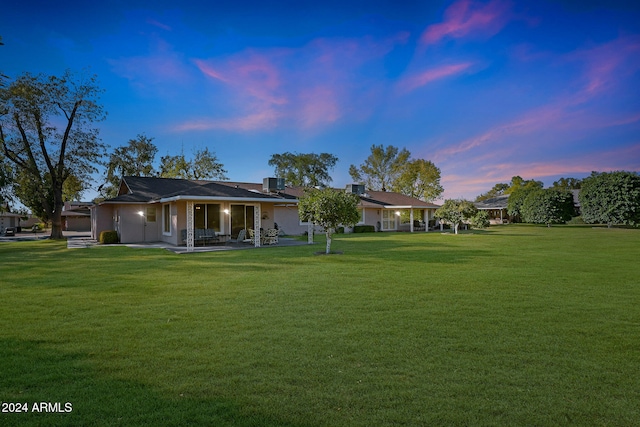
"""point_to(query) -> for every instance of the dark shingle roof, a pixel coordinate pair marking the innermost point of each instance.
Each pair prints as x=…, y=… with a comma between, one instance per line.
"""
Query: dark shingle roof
x=498, y=202
x=137, y=189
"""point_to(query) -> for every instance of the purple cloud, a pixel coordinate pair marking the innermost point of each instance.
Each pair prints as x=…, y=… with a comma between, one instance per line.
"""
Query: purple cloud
x=467, y=17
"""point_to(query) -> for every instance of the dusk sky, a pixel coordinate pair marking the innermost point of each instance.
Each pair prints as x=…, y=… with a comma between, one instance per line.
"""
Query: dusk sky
x=484, y=89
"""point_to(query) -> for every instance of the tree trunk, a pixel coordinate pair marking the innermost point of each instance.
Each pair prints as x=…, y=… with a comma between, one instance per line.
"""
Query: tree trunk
x=56, y=224
x=56, y=215
x=328, y=234
x=455, y=228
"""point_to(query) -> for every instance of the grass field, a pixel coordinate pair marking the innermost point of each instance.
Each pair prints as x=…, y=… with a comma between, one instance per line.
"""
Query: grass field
x=515, y=325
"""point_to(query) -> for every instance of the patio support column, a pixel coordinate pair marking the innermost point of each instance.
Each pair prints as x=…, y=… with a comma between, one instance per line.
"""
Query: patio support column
x=425, y=215
x=189, y=226
x=411, y=219
x=257, y=216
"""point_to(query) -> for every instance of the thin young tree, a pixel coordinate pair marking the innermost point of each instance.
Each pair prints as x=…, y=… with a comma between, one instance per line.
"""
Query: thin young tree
x=329, y=208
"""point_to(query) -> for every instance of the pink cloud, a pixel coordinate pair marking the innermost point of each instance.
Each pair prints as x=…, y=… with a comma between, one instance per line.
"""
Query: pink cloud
x=159, y=24
x=608, y=65
x=467, y=17
x=420, y=79
x=262, y=120
x=157, y=68
x=480, y=178
x=319, y=105
x=209, y=71
x=532, y=121
x=304, y=87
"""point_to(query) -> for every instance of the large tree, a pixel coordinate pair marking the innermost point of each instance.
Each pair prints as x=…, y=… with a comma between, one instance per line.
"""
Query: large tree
x=204, y=165
x=47, y=133
x=420, y=179
x=457, y=211
x=567, y=184
x=518, y=192
x=134, y=159
x=305, y=170
x=611, y=198
x=6, y=179
x=329, y=208
x=548, y=206
x=383, y=166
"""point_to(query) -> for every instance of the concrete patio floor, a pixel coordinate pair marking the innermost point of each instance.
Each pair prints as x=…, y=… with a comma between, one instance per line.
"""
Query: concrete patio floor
x=80, y=239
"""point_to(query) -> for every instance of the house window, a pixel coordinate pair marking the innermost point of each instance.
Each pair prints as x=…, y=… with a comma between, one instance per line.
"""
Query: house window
x=207, y=216
x=388, y=219
x=151, y=214
x=166, y=219
x=361, y=212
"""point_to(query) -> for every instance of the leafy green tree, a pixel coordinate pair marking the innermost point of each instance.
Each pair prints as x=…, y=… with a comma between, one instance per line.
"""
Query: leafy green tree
x=73, y=188
x=329, y=208
x=567, y=184
x=174, y=166
x=611, y=198
x=381, y=169
x=455, y=212
x=548, y=206
x=204, y=165
x=134, y=159
x=6, y=180
x=30, y=193
x=497, y=190
x=3, y=77
x=480, y=219
x=518, y=192
x=420, y=179
x=305, y=170
x=46, y=133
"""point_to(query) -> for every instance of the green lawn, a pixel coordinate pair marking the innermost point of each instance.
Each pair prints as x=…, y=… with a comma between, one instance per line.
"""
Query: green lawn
x=516, y=325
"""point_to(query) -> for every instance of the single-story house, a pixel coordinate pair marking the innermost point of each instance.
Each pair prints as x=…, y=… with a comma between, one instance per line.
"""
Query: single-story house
x=496, y=207
x=149, y=209
x=76, y=216
x=385, y=211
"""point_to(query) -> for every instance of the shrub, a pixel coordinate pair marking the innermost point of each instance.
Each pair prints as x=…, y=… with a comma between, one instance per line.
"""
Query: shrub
x=108, y=237
x=576, y=220
x=480, y=220
x=340, y=230
x=364, y=229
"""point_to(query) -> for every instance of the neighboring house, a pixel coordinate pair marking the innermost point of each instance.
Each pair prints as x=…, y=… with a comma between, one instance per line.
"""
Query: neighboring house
x=496, y=207
x=76, y=216
x=150, y=209
x=385, y=211
x=8, y=219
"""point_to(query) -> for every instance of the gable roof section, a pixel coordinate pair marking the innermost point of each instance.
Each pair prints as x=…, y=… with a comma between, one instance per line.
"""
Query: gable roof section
x=135, y=189
x=396, y=200
x=498, y=202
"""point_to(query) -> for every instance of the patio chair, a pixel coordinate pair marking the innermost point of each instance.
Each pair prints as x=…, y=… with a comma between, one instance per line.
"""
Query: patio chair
x=271, y=237
x=242, y=237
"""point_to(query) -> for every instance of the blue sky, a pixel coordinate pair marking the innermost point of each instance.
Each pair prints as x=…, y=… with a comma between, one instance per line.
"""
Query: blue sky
x=484, y=89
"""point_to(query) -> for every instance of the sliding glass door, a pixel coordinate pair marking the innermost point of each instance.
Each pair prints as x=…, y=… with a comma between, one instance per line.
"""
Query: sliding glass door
x=241, y=217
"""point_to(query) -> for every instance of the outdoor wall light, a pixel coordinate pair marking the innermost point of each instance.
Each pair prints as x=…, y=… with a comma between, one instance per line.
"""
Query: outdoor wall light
x=226, y=211
x=140, y=213
x=397, y=213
